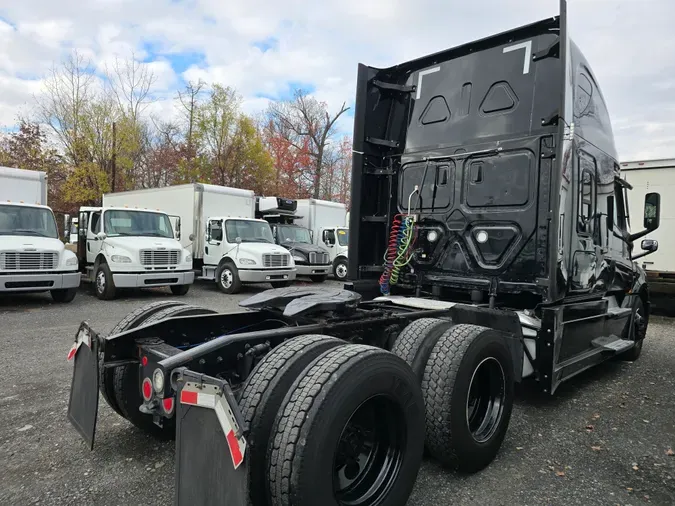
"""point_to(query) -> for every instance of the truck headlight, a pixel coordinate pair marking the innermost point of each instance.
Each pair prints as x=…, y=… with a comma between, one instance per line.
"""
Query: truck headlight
x=247, y=261
x=158, y=380
x=71, y=261
x=299, y=258
x=188, y=257
x=121, y=259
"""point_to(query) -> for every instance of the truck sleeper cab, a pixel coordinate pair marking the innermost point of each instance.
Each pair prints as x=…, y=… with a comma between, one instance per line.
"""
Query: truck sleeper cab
x=131, y=248
x=242, y=250
x=489, y=244
x=32, y=258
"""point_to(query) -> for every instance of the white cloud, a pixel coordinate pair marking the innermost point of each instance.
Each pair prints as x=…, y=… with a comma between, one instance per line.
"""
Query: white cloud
x=627, y=42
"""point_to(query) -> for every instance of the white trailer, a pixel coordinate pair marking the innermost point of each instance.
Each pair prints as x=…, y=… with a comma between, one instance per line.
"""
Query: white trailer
x=218, y=227
x=32, y=257
x=655, y=176
x=329, y=226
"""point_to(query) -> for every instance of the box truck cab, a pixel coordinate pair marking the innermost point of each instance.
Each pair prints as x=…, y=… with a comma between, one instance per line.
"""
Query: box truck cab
x=328, y=223
x=120, y=247
x=228, y=245
x=32, y=257
x=311, y=259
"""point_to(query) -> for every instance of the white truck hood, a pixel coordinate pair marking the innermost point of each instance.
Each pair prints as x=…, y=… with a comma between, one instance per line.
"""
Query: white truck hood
x=29, y=243
x=258, y=248
x=138, y=243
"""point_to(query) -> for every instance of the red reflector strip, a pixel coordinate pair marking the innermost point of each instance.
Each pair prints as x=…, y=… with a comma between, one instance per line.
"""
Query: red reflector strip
x=144, y=361
x=233, y=443
x=187, y=397
x=72, y=352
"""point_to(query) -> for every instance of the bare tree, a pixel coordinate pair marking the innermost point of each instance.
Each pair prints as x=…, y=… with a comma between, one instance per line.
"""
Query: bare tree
x=68, y=91
x=304, y=117
x=189, y=101
x=130, y=82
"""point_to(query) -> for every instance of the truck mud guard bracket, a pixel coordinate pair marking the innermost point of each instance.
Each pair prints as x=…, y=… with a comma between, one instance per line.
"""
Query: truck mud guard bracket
x=211, y=464
x=506, y=322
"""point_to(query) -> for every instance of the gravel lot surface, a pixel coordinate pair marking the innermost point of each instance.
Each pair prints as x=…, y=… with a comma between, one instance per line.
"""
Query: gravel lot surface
x=607, y=437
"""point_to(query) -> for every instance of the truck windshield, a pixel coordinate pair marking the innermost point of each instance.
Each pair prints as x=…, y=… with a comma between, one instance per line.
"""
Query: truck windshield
x=343, y=236
x=24, y=220
x=248, y=231
x=293, y=234
x=137, y=223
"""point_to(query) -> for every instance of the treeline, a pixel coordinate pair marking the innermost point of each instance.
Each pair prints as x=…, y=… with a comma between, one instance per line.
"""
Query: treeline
x=94, y=133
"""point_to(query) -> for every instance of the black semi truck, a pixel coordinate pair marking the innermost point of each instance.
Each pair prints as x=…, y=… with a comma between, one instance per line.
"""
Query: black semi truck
x=490, y=244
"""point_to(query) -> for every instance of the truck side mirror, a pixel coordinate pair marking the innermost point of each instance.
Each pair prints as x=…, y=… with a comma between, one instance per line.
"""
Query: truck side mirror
x=178, y=228
x=101, y=236
x=649, y=245
x=652, y=212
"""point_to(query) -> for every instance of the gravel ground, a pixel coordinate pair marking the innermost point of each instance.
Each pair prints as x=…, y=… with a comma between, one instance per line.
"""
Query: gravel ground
x=607, y=437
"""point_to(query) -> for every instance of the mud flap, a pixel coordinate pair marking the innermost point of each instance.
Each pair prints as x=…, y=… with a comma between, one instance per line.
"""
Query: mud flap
x=83, y=402
x=211, y=464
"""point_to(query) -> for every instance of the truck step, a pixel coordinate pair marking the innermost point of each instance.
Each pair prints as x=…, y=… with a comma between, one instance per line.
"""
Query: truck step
x=613, y=343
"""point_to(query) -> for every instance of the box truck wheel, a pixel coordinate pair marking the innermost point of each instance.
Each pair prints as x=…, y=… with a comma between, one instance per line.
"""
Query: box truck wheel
x=65, y=295
x=180, y=289
x=127, y=382
x=415, y=342
x=263, y=394
x=340, y=268
x=103, y=282
x=468, y=393
x=227, y=278
x=350, y=431
x=106, y=376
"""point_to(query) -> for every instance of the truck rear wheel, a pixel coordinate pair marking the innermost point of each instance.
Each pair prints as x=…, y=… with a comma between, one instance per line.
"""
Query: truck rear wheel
x=106, y=376
x=64, y=295
x=103, y=282
x=263, y=394
x=227, y=278
x=468, y=393
x=340, y=269
x=415, y=342
x=127, y=382
x=349, y=431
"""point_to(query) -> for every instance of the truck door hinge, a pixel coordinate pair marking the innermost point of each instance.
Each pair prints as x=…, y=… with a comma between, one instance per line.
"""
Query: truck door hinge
x=552, y=51
x=382, y=142
x=400, y=88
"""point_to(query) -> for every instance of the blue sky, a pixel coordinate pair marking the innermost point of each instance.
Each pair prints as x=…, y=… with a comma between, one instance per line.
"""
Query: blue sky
x=265, y=49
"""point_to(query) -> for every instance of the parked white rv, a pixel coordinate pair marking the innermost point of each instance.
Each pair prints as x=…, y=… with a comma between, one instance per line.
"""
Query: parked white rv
x=654, y=176
x=218, y=228
x=329, y=226
x=32, y=257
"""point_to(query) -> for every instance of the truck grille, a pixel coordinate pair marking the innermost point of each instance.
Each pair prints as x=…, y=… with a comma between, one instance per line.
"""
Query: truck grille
x=160, y=257
x=318, y=258
x=24, y=261
x=276, y=260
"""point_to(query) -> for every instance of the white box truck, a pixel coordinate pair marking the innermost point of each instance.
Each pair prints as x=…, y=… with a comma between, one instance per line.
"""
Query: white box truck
x=329, y=226
x=654, y=176
x=226, y=243
x=32, y=257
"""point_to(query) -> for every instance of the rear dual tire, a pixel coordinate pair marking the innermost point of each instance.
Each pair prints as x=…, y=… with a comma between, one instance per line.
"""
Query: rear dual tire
x=350, y=430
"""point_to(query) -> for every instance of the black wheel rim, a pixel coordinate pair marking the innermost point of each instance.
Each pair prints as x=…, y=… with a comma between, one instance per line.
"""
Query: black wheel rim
x=369, y=453
x=485, y=403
